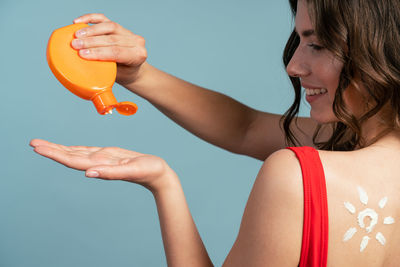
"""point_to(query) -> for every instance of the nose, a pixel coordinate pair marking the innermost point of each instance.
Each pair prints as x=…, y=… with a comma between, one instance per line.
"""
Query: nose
x=298, y=66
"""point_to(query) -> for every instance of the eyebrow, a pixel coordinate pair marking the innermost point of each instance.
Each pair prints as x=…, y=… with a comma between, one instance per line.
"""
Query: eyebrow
x=307, y=33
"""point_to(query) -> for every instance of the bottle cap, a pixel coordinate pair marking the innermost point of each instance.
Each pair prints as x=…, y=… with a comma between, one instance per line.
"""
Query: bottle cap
x=105, y=102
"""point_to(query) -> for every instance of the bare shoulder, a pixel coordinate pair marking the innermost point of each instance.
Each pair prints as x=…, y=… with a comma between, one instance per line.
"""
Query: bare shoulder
x=271, y=230
x=281, y=163
x=280, y=173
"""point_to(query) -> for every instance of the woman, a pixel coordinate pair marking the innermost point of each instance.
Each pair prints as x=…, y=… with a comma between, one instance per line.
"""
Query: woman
x=344, y=54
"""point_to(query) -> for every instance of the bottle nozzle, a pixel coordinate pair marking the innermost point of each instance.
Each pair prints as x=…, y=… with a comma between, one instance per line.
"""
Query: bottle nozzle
x=106, y=101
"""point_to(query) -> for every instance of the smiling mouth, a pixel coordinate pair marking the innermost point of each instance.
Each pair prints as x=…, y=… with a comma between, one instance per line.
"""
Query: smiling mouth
x=311, y=92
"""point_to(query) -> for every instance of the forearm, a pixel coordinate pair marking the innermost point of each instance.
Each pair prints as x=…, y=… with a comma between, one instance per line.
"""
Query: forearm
x=182, y=242
x=212, y=116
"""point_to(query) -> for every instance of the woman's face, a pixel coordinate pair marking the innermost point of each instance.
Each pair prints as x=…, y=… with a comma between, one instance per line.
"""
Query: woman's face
x=318, y=69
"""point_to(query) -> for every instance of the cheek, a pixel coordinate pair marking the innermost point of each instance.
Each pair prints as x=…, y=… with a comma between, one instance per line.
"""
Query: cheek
x=355, y=101
x=329, y=72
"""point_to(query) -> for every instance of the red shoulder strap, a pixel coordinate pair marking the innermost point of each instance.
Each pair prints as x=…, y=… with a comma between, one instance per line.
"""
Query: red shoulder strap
x=314, y=248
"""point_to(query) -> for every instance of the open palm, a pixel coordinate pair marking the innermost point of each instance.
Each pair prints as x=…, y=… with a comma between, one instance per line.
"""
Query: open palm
x=110, y=163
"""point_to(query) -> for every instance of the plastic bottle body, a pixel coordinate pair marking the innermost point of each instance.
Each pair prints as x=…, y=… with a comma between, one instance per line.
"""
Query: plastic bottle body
x=88, y=79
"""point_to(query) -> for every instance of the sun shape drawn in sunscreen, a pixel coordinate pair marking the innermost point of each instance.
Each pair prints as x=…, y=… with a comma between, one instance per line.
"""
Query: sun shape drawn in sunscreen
x=367, y=212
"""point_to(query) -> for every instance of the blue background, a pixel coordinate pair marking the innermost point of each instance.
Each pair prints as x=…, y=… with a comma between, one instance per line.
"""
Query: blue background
x=53, y=216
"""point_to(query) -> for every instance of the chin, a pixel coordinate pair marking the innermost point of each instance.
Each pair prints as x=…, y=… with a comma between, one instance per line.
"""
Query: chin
x=323, y=117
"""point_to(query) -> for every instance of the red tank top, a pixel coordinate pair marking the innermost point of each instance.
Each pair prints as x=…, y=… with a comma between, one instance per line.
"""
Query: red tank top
x=314, y=247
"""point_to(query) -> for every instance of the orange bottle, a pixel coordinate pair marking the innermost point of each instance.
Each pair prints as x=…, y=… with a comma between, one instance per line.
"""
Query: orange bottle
x=88, y=79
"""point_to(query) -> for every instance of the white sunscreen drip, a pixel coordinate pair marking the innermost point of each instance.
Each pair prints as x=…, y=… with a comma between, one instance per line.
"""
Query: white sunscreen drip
x=350, y=207
x=382, y=202
x=381, y=239
x=388, y=220
x=363, y=195
x=370, y=213
x=364, y=243
x=349, y=234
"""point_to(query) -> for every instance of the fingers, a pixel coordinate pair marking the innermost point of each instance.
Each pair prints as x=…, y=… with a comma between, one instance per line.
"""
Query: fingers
x=88, y=149
x=111, y=163
x=41, y=142
x=108, y=41
x=76, y=157
x=147, y=170
x=113, y=172
x=56, y=154
x=44, y=143
x=125, y=55
x=128, y=169
x=107, y=27
x=91, y=18
x=140, y=169
x=104, y=40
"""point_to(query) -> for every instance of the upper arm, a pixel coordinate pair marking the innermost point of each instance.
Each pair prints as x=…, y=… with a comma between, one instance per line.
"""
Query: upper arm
x=271, y=229
x=264, y=135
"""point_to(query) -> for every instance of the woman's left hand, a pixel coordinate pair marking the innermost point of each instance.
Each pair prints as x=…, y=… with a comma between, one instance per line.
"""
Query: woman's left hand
x=111, y=163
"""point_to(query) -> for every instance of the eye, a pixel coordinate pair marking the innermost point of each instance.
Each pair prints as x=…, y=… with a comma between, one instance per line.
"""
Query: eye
x=315, y=47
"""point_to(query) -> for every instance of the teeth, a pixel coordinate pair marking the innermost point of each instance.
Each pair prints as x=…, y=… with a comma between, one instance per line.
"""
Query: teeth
x=316, y=91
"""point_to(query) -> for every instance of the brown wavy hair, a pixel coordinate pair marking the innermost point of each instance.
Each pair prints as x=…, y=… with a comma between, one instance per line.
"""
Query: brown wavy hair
x=365, y=36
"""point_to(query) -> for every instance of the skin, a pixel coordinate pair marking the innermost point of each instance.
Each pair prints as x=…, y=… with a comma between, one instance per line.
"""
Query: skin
x=107, y=40
x=315, y=66
x=260, y=241
x=112, y=163
x=212, y=116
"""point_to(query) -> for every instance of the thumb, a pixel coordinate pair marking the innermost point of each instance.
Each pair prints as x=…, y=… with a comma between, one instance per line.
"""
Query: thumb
x=112, y=172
